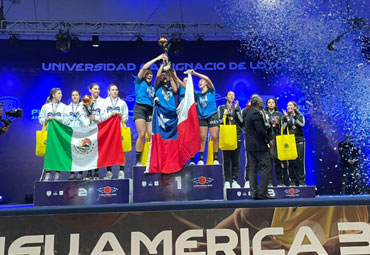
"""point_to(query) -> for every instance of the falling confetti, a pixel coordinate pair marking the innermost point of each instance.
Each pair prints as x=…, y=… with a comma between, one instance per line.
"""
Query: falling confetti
x=323, y=51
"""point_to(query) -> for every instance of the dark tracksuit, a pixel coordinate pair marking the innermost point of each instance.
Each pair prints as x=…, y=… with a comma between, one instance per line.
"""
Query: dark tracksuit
x=232, y=157
x=295, y=125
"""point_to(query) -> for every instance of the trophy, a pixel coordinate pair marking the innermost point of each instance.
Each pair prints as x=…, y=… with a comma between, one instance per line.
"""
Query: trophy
x=88, y=104
x=163, y=42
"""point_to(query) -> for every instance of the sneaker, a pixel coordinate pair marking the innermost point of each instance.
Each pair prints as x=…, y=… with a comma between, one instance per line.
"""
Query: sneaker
x=108, y=176
x=56, y=176
x=270, y=185
x=138, y=164
x=227, y=185
x=71, y=177
x=191, y=163
x=47, y=177
x=96, y=176
x=79, y=176
x=215, y=162
x=121, y=175
x=200, y=163
x=235, y=185
x=246, y=185
x=88, y=176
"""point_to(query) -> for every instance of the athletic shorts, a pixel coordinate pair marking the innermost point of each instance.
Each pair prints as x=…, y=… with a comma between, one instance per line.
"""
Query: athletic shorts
x=144, y=112
x=211, y=121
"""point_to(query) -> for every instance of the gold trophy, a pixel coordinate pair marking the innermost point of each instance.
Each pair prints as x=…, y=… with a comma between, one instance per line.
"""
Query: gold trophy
x=163, y=42
x=88, y=103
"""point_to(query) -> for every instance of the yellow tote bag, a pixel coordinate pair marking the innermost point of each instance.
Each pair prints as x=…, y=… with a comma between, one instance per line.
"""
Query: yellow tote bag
x=126, y=138
x=41, y=138
x=286, y=146
x=145, y=153
x=210, y=152
x=228, y=137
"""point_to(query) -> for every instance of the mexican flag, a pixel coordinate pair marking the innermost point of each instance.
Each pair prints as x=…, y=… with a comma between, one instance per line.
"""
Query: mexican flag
x=78, y=149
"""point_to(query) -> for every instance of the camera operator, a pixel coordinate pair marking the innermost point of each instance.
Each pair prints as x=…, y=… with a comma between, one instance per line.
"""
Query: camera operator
x=14, y=113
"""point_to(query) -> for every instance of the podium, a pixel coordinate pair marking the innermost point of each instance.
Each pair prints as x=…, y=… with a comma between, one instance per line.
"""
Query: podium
x=191, y=183
x=277, y=192
x=92, y=192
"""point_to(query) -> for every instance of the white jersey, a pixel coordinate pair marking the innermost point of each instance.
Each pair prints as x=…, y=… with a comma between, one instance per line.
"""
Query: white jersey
x=52, y=110
x=96, y=109
x=115, y=105
x=75, y=116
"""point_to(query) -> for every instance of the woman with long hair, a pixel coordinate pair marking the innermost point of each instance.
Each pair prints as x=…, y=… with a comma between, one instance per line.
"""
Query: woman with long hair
x=143, y=110
x=207, y=115
x=294, y=121
x=75, y=116
x=232, y=113
x=94, y=112
x=52, y=109
x=273, y=119
x=115, y=106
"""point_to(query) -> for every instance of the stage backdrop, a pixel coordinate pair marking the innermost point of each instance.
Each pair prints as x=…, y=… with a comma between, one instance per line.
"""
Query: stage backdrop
x=29, y=70
x=330, y=230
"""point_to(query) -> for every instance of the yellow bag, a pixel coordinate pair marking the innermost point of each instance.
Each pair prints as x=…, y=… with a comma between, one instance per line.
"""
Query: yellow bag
x=286, y=146
x=228, y=137
x=145, y=152
x=210, y=152
x=41, y=138
x=126, y=138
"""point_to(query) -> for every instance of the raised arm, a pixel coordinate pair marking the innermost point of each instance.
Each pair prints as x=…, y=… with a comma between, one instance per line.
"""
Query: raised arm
x=158, y=76
x=204, y=77
x=148, y=64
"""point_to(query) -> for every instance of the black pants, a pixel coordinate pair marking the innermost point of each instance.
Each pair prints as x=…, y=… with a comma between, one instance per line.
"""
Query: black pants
x=231, y=158
x=297, y=170
x=351, y=184
x=259, y=161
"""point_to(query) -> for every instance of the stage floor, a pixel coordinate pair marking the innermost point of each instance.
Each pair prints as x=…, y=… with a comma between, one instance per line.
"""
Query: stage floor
x=29, y=209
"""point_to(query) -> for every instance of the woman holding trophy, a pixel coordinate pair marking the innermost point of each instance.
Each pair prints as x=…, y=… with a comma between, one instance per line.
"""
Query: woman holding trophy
x=52, y=109
x=75, y=116
x=143, y=110
x=113, y=105
x=94, y=107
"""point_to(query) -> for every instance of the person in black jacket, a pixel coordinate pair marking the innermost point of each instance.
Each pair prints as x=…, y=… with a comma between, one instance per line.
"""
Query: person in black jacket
x=294, y=121
x=349, y=161
x=273, y=119
x=257, y=149
x=232, y=112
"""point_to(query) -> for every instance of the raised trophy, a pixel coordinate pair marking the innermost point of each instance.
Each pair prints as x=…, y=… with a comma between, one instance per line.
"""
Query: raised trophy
x=163, y=42
x=88, y=104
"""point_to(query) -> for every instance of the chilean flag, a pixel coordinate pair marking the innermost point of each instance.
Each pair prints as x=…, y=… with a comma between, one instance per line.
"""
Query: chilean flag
x=176, y=135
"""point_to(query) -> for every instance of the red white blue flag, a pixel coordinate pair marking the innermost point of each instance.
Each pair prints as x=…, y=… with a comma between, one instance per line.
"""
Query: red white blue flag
x=176, y=135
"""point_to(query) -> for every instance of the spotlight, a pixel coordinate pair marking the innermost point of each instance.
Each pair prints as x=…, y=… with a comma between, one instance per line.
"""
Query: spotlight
x=76, y=42
x=139, y=41
x=95, y=41
x=2, y=199
x=200, y=40
x=177, y=46
x=13, y=39
x=63, y=41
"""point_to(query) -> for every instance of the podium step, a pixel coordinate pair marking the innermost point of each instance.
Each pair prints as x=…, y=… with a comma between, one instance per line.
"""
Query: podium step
x=191, y=183
x=92, y=192
x=277, y=192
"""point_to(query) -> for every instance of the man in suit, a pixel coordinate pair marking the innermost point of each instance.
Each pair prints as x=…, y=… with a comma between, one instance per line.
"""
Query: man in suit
x=257, y=149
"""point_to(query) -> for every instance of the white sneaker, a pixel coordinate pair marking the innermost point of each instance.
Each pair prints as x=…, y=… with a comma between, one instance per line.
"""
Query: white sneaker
x=139, y=164
x=246, y=185
x=108, y=176
x=227, y=185
x=235, y=185
x=200, y=163
x=191, y=163
x=79, y=176
x=56, y=176
x=121, y=175
x=47, y=177
x=215, y=162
